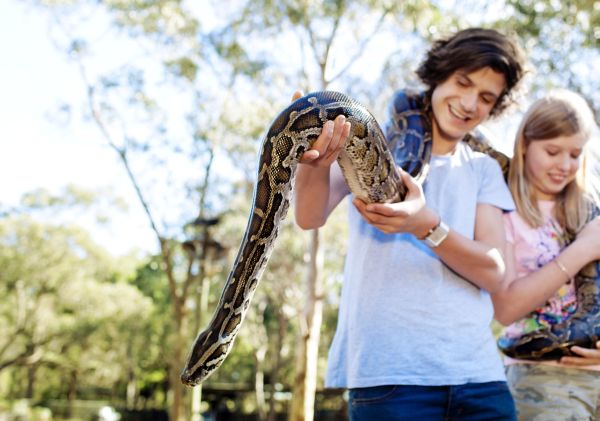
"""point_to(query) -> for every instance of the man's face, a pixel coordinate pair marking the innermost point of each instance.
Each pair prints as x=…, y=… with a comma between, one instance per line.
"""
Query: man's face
x=463, y=101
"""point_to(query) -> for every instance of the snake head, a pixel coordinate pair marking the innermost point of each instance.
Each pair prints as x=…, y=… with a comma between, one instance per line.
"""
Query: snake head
x=196, y=369
x=190, y=378
x=206, y=356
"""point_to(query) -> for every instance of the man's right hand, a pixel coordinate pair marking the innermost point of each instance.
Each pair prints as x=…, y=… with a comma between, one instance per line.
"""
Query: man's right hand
x=328, y=145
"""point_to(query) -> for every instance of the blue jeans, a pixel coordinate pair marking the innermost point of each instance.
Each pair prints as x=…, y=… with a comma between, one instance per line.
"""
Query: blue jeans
x=466, y=402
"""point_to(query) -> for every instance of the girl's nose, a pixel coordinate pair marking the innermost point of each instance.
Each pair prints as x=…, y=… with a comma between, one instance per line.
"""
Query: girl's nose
x=565, y=162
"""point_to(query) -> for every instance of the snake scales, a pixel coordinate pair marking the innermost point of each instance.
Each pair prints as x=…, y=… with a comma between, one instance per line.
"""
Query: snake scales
x=368, y=164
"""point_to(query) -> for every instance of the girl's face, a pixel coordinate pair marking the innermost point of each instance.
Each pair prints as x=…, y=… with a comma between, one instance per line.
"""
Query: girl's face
x=552, y=164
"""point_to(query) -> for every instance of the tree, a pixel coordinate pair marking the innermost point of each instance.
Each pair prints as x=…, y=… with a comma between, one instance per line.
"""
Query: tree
x=123, y=105
x=67, y=308
x=211, y=77
x=317, y=28
x=562, y=40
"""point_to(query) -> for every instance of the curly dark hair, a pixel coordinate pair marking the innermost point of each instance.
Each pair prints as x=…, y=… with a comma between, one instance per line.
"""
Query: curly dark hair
x=470, y=50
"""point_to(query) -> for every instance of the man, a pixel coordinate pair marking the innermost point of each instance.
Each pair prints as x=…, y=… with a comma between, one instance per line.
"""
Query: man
x=413, y=338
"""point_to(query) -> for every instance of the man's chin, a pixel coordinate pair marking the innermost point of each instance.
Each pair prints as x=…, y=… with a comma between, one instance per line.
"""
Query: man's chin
x=451, y=132
x=452, y=136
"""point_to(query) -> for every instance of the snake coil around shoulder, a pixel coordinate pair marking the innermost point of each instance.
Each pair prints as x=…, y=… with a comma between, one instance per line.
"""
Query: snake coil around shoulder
x=368, y=163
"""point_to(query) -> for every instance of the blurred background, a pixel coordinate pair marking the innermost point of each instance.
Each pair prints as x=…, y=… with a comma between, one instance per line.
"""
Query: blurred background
x=129, y=137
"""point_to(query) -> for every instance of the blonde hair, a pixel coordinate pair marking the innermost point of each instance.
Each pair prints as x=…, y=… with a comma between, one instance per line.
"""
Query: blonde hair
x=561, y=113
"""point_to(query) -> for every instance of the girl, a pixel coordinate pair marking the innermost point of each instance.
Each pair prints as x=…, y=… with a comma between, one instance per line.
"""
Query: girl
x=550, y=186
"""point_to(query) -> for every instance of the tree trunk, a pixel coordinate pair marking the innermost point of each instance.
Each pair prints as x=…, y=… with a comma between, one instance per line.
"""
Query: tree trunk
x=30, y=381
x=71, y=393
x=259, y=382
x=177, y=408
x=305, y=381
x=131, y=392
x=196, y=404
x=282, y=323
x=201, y=302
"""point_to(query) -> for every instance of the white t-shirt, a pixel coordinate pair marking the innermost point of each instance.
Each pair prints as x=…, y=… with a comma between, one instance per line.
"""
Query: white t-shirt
x=405, y=317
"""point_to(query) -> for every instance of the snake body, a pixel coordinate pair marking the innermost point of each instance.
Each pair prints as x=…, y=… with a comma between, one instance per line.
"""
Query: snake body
x=368, y=163
x=368, y=168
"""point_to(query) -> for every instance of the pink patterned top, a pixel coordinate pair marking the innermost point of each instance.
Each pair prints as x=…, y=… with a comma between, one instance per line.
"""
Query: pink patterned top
x=533, y=248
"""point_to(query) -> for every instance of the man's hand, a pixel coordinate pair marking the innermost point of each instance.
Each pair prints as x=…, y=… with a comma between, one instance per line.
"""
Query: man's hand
x=410, y=215
x=328, y=145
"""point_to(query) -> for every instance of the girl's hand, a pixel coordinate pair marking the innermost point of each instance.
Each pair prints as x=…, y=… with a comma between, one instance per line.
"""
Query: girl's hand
x=589, y=356
x=410, y=216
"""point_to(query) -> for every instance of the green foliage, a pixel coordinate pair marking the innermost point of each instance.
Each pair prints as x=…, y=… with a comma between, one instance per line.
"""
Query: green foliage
x=150, y=280
x=66, y=307
x=531, y=16
x=230, y=49
x=562, y=40
x=208, y=83
x=183, y=67
x=70, y=197
x=164, y=18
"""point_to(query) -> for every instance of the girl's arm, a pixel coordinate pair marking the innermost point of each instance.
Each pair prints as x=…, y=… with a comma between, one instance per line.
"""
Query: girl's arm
x=522, y=295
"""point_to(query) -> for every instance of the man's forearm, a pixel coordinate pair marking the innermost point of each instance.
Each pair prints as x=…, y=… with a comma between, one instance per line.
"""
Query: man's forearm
x=311, y=192
x=477, y=262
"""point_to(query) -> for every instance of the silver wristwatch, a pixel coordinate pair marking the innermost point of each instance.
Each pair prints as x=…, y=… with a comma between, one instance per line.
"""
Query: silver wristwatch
x=437, y=234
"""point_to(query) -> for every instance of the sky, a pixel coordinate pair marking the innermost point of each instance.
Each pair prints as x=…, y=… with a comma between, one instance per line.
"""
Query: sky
x=38, y=153
x=36, y=150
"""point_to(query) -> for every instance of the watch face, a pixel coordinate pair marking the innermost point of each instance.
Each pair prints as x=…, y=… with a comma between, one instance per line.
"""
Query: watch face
x=438, y=235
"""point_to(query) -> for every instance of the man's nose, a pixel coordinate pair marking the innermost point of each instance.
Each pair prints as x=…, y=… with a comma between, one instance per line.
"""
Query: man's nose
x=469, y=101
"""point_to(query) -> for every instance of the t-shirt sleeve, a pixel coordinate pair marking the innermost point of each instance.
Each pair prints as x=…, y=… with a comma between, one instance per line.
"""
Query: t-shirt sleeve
x=493, y=189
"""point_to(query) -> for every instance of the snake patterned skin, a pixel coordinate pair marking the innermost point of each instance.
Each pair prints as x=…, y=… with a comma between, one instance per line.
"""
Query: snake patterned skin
x=368, y=168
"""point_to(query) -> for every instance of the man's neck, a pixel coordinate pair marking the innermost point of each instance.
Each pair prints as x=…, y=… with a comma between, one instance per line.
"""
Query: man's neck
x=443, y=146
